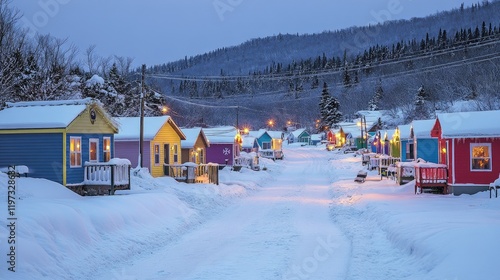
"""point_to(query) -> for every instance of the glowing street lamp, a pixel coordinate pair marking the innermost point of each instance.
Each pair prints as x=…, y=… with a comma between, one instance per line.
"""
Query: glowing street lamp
x=270, y=123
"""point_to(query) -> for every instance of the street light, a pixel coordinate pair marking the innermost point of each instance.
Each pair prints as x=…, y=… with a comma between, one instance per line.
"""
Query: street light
x=270, y=123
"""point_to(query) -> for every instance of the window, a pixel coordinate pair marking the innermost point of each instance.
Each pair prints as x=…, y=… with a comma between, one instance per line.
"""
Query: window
x=176, y=154
x=75, y=151
x=106, y=148
x=409, y=150
x=157, y=154
x=481, y=157
x=266, y=145
x=202, y=159
x=93, y=150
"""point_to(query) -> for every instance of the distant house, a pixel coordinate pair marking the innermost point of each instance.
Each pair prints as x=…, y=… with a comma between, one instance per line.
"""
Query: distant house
x=405, y=142
x=249, y=144
x=194, y=147
x=393, y=143
x=316, y=139
x=300, y=136
x=425, y=146
x=56, y=139
x=469, y=144
x=161, y=142
x=225, y=144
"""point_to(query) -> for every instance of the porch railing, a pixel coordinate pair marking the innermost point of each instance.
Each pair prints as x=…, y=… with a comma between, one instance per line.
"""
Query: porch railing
x=193, y=173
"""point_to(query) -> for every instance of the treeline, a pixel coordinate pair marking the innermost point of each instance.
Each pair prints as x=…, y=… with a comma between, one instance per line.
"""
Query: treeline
x=46, y=68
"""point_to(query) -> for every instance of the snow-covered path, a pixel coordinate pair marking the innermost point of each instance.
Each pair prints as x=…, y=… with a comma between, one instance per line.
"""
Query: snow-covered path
x=284, y=231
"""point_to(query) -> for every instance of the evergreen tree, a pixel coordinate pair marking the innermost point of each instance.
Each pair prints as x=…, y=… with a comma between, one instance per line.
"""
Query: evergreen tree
x=421, y=111
x=373, y=105
x=323, y=110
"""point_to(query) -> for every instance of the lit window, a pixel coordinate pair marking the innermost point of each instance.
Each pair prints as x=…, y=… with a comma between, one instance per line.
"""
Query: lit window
x=202, y=157
x=157, y=154
x=93, y=150
x=75, y=152
x=107, y=148
x=480, y=156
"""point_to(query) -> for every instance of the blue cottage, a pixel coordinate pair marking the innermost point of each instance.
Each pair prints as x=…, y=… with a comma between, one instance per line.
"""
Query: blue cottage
x=55, y=139
x=425, y=147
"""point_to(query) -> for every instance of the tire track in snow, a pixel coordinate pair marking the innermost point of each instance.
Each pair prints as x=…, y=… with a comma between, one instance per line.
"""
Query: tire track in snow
x=373, y=255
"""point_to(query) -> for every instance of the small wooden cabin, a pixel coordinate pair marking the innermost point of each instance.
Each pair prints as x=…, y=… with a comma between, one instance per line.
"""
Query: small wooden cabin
x=161, y=143
x=65, y=141
x=225, y=144
x=406, y=147
x=469, y=143
x=425, y=145
x=194, y=147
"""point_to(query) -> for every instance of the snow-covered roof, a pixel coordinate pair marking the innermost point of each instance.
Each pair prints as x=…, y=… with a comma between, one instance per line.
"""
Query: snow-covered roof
x=352, y=128
x=470, y=124
x=275, y=134
x=390, y=133
x=221, y=134
x=45, y=114
x=248, y=141
x=298, y=132
x=257, y=133
x=316, y=137
x=422, y=128
x=191, y=137
x=404, y=131
x=130, y=127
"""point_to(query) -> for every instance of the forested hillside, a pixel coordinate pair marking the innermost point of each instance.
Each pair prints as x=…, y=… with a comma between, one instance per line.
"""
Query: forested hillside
x=410, y=68
x=450, y=56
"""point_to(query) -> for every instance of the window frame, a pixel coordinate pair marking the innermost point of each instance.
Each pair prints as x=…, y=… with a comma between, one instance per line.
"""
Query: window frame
x=106, y=152
x=471, y=160
x=156, y=154
x=94, y=140
x=76, y=153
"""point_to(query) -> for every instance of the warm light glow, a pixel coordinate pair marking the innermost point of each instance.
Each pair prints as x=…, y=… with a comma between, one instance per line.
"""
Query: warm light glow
x=358, y=123
x=164, y=109
x=443, y=150
x=246, y=130
x=271, y=122
x=107, y=147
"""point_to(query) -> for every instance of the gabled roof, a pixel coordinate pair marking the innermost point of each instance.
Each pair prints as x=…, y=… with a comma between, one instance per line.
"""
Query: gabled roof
x=404, y=131
x=130, y=127
x=192, y=135
x=221, y=134
x=298, y=132
x=275, y=134
x=470, y=124
x=257, y=133
x=248, y=141
x=422, y=128
x=47, y=114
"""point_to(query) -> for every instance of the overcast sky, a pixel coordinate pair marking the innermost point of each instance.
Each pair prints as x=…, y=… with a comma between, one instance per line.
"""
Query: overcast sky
x=158, y=31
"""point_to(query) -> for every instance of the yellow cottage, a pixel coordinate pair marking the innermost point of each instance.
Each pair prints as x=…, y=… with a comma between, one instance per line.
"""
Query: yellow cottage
x=161, y=143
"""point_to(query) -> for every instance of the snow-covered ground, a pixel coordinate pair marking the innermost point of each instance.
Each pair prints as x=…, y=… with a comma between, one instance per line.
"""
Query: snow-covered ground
x=302, y=218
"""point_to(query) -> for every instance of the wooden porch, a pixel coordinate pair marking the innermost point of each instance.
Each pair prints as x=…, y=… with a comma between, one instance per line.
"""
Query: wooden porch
x=193, y=173
x=103, y=178
x=431, y=178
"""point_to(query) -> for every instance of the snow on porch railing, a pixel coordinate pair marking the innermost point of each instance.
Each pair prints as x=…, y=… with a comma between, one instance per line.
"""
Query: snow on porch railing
x=115, y=172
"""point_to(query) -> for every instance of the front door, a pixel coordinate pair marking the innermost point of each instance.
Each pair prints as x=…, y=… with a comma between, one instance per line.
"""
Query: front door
x=166, y=157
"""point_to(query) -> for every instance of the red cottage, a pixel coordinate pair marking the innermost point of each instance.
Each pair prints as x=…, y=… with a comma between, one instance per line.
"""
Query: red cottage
x=469, y=144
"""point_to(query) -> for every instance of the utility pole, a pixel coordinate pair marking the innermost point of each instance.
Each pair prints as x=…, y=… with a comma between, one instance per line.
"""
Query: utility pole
x=141, y=136
x=237, y=117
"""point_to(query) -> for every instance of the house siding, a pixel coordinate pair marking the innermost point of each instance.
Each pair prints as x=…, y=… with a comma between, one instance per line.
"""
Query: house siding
x=215, y=153
x=130, y=151
x=74, y=175
x=427, y=149
x=83, y=124
x=463, y=173
x=41, y=152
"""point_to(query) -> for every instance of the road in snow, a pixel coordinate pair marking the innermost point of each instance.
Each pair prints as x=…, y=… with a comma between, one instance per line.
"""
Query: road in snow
x=296, y=227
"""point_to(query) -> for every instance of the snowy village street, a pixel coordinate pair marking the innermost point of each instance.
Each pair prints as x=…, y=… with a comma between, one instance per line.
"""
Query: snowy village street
x=286, y=230
x=283, y=231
